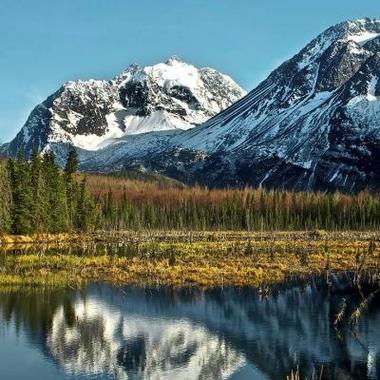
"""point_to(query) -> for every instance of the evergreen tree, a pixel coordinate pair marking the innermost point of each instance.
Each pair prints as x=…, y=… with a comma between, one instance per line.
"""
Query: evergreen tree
x=5, y=199
x=40, y=204
x=71, y=166
x=85, y=215
x=71, y=185
x=123, y=212
x=110, y=211
x=21, y=195
x=56, y=195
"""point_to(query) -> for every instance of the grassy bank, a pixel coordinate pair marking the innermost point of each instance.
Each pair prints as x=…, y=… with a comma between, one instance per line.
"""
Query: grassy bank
x=179, y=258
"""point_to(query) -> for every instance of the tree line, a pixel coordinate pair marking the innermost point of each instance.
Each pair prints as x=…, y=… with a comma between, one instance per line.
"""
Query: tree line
x=37, y=197
x=196, y=208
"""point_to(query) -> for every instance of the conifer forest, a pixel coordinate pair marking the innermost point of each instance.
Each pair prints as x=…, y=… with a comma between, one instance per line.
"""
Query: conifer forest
x=37, y=196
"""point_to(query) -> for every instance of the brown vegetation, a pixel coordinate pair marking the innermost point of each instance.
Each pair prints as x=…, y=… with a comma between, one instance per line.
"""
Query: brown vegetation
x=205, y=259
x=139, y=204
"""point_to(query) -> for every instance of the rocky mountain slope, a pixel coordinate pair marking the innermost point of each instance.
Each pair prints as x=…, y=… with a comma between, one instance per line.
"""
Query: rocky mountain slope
x=93, y=114
x=312, y=124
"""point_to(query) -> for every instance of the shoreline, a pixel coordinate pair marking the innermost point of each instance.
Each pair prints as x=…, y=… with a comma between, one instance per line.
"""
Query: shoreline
x=176, y=258
x=183, y=235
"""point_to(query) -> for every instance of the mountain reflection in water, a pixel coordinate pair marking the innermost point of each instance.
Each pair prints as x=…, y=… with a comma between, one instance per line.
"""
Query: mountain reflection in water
x=103, y=332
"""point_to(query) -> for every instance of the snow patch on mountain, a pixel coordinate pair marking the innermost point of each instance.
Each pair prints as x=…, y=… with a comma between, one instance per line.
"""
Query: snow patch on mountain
x=315, y=51
x=364, y=110
x=172, y=73
x=363, y=38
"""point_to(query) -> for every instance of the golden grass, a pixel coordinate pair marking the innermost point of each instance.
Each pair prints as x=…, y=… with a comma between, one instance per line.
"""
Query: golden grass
x=42, y=238
x=179, y=258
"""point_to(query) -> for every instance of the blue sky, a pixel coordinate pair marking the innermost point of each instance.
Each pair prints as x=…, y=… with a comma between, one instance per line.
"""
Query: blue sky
x=44, y=43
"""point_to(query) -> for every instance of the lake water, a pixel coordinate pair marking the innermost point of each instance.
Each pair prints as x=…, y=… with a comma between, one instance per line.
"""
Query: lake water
x=104, y=332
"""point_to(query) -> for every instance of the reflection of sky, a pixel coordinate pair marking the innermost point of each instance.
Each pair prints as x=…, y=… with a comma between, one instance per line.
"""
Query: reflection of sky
x=20, y=360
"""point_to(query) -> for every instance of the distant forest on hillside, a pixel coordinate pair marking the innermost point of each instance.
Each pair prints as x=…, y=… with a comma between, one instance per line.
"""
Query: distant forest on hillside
x=39, y=197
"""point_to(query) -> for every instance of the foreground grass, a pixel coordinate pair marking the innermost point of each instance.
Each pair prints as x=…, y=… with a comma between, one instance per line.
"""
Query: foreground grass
x=179, y=258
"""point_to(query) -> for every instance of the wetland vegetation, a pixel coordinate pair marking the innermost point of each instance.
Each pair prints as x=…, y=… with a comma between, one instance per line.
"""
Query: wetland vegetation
x=188, y=258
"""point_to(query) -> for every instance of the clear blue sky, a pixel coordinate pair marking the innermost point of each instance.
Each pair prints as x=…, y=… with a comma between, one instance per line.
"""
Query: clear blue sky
x=44, y=43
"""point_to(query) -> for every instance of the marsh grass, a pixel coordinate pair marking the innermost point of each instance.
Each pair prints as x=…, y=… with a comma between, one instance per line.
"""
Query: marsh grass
x=187, y=258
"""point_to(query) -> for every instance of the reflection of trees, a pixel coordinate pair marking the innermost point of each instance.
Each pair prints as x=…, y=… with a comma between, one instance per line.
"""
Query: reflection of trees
x=148, y=333
x=34, y=309
x=293, y=327
x=131, y=355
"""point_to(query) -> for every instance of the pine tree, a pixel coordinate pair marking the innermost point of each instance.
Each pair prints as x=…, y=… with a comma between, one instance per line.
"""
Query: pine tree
x=71, y=164
x=21, y=195
x=110, y=212
x=56, y=195
x=5, y=199
x=85, y=215
x=40, y=204
x=71, y=185
x=123, y=212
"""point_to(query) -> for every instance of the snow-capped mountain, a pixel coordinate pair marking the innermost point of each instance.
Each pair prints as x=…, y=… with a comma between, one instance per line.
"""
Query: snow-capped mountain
x=314, y=123
x=92, y=114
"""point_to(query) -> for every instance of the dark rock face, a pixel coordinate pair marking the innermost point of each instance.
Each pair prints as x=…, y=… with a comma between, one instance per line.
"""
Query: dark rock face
x=92, y=101
x=137, y=95
x=184, y=94
x=339, y=62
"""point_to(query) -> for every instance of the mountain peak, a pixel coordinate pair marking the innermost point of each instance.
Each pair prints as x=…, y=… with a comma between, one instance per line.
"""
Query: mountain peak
x=174, y=59
x=359, y=31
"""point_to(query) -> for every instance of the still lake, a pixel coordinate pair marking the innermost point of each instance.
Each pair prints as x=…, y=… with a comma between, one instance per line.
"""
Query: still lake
x=106, y=332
